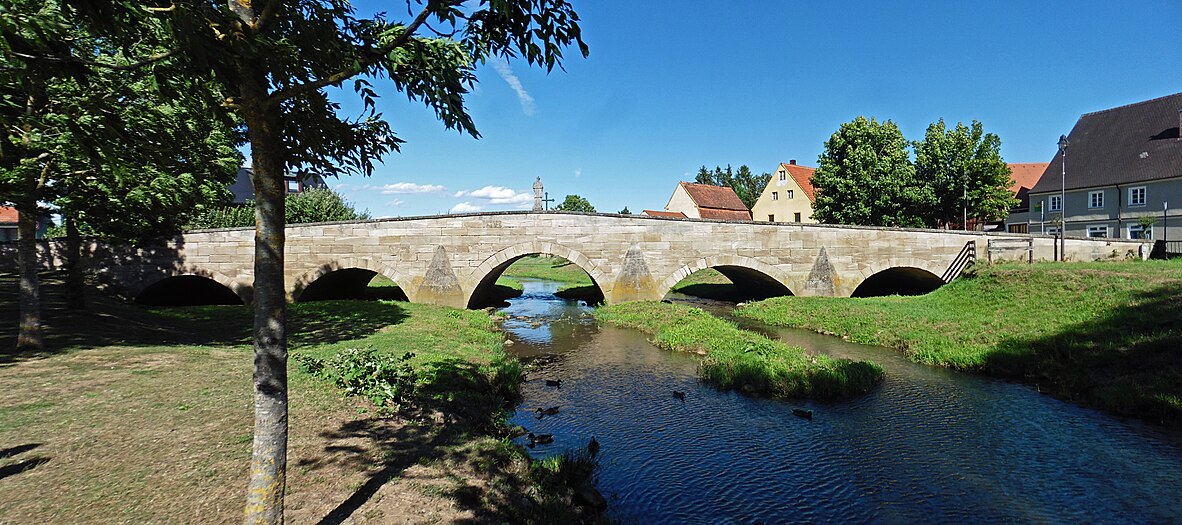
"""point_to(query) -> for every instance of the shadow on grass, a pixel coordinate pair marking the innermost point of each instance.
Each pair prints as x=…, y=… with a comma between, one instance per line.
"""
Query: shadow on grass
x=1128, y=362
x=22, y=466
x=107, y=321
x=457, y=402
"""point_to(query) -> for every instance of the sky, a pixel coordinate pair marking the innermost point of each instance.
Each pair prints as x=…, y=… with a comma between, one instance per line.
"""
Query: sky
x=673, y=85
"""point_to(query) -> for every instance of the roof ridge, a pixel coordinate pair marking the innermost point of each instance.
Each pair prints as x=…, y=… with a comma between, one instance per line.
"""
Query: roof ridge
x=1131, y=105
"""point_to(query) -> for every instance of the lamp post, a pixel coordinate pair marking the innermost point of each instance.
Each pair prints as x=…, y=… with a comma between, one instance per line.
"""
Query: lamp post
x=964, y=179
x=1063, y=199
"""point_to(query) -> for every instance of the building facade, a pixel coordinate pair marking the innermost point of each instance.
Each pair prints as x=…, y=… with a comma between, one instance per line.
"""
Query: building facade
x=243, y=188
x=703, y=201
x=788, y=196
x=1120, y=175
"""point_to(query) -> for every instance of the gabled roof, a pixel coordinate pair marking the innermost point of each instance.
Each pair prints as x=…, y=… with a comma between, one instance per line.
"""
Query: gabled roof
x=1025, y=176
x=8, y=215
x=803, y=176
x=1124, y=145
x=658, y=213
x=717, y=197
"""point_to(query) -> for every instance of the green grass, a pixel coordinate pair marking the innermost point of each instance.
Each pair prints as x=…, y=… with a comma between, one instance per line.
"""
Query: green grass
x=1105, y=334
x=744, y=360
x=549, y=268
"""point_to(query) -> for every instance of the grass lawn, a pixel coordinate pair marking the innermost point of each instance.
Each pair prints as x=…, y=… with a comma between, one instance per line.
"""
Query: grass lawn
x=549, y=268
x=145, y=415
x=1106, y=334
x=740, y=359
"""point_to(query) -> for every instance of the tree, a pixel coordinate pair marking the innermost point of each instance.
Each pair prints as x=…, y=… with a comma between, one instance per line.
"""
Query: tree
x=964, y=169
x=272, y=60
x=746, y=184
x=575, y=203
x=625, y=211
x=864, y=176
x=107, y=147
x=313, y=205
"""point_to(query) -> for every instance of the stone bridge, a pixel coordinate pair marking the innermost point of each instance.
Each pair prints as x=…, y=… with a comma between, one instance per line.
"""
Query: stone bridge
x=453, y=260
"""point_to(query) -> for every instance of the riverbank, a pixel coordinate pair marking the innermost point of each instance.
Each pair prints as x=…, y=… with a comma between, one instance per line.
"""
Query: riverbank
x=740, y=359
x=138, y=414
x=1106, y=335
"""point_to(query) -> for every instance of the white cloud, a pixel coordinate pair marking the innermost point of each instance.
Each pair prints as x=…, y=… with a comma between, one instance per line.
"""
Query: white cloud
x=408, y=187
x=527, y=102
x=464, y=207
x=578, y=172
x=396, y=202
x=497, y=195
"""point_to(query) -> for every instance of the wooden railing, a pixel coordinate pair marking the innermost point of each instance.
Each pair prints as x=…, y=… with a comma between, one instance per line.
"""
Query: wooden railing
x=967, y=255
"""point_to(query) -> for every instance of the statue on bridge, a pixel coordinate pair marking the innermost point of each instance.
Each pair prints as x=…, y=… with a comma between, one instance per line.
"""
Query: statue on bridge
x=538, y=194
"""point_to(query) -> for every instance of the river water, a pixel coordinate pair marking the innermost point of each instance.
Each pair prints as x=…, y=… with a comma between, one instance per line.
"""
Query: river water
x=929, y=445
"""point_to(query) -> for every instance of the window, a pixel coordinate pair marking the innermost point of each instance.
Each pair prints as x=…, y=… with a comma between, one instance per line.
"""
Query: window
x=796, y=217
x=775, y=195
x=771, y=218
x=1096, y=199
x=1136, y=231
x=1098, y=231
x=788, y=194
x=1056, y=203
x=1018, y=228
x=293, y=186
x=1137, y=198
x=783, y=175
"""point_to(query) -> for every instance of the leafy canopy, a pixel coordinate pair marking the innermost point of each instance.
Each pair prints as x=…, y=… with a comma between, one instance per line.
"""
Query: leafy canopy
x=575, y=203
x=965, y=171
x=746, y=184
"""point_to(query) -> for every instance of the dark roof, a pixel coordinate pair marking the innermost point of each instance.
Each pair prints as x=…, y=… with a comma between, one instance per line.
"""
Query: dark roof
x=1129, y=144
x=718, y=197
x=658, y=213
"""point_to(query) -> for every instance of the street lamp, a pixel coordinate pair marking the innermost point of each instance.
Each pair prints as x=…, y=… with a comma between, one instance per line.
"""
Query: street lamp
x=964, y=179
x=1063, y=199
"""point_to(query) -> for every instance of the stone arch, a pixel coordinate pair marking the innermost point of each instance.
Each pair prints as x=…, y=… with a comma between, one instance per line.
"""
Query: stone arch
x=301, y=283
x=243, y=291
x=500, y=260
x=734, y=261
x=912, y=276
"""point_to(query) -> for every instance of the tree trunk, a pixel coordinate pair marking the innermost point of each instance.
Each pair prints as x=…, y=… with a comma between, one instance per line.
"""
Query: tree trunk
x=30, y=336
x=268, y=476
x=75, y=284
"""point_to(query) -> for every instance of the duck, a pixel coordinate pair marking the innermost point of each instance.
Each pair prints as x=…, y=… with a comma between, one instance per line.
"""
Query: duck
x=554, y=382
x=679, y=395
x=593, y=447
x=540, y=439
x=802, y=413
x=541, y=412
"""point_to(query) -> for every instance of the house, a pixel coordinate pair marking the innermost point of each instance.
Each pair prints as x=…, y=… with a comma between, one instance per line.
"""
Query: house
x=243, y=189
x=1025, y=175
x=657, y=213
x=10, y=224
x=788, y=197
x=707, y=202
x=1123, y=166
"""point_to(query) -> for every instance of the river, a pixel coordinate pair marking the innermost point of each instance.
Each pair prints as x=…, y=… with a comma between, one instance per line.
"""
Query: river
x=929, y=445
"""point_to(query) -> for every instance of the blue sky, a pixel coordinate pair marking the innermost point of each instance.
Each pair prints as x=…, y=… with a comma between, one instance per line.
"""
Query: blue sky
x=673, y=85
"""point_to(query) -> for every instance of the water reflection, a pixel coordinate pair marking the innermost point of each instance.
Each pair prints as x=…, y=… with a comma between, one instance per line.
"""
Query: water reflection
x=929, y=445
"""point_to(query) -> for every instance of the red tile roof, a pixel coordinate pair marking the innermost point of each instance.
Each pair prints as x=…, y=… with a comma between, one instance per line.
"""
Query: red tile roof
x=657, y=213
x=8, y=215
x=1026, y=174
x=726, y=215
x=717, y=197
x=802, y=176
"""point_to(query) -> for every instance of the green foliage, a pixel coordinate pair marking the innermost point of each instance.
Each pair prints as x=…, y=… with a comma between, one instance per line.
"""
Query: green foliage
x=743, y=360
x=575, y=203
x=625, y=211
x=388, y=382
x=314, y=205
x=963, y=168
x=747, y=185
x=1107, y=334
x=865, y=177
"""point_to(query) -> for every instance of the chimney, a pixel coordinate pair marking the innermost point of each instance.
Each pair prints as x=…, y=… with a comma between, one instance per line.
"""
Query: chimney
x=793, y=161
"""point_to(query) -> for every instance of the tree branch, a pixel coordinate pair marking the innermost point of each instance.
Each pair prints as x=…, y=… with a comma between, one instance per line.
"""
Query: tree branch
x=119, y=67
x=362, y=65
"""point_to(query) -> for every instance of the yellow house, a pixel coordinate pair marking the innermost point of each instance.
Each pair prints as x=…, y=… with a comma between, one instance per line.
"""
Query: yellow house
x=788, y=196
